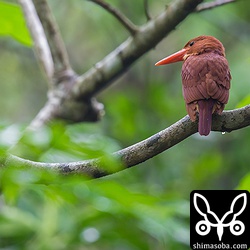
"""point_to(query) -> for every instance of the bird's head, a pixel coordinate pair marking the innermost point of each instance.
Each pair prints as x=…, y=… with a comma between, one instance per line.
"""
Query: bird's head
x=194, y=47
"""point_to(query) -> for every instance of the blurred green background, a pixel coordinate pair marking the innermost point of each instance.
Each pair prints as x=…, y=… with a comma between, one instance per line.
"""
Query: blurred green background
x=145, y=207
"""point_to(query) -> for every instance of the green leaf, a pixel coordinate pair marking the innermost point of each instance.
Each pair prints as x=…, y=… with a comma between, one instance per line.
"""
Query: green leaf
x=245, y=101
x=13, y=24
x=245, y=183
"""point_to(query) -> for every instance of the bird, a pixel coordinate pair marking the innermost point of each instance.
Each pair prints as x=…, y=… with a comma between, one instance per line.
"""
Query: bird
x=206, y=79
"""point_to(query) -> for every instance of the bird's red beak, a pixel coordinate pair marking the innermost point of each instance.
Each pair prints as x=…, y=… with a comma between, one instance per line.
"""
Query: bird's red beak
x=176, y=57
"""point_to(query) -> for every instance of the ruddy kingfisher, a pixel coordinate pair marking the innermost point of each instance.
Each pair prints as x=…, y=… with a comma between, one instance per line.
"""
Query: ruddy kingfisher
x=205, y=79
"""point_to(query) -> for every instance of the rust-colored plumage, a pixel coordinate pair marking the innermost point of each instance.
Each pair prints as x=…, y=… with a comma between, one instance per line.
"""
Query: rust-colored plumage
x=205, y=79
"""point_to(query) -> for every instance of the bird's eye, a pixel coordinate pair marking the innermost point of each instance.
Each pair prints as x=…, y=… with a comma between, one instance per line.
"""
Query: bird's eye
x=192, y=43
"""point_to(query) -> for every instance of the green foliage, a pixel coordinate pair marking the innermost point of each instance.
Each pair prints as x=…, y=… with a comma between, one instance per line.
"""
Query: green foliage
x=13, y=23
x=61, y=143
x=245, y=183
x=245, y=101
x=43, y=210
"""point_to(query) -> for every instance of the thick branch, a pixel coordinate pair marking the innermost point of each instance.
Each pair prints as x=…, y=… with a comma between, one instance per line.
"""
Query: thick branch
x=60, y=107
x=146, y=149
x=62, y=78
x=118, y=15
x=118, y=61
x=80, y=91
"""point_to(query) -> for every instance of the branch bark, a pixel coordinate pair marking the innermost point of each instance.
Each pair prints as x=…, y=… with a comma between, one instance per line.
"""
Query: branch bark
x=119, y=60
x=40, y=42
x=144, y=150
x=53, y=36
x=52, y=54
x=70, y=92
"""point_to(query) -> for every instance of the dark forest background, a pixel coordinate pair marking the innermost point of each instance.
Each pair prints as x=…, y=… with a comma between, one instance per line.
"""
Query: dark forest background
x=144, y=207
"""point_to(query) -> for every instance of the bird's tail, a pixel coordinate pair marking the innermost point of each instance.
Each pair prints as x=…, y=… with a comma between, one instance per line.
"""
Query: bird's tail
x=205, y=115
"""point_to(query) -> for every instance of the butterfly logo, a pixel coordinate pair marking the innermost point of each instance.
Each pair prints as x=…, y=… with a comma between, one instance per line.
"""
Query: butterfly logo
x=210, y=219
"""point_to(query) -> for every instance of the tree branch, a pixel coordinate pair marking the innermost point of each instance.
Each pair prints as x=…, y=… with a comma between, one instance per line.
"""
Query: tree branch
x=56, y=44
x=118, y=15
x=40, y=42
x=119, y=60
x=145, y=3
x=76, y=93
x=61, y=105
x=51, y=52
x=144, y=150
x=214, y=4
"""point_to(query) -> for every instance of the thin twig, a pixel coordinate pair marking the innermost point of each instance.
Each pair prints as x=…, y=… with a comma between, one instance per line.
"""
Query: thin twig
x=132, y=28
x=46, y=114
x=145, y=3
x=56, y=44
x=144, y=150
x=214, y=4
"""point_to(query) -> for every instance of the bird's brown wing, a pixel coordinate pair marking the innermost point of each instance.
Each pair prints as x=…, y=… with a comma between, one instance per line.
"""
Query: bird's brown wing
x=205, y=76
